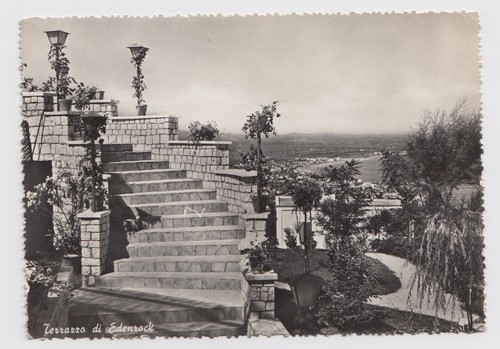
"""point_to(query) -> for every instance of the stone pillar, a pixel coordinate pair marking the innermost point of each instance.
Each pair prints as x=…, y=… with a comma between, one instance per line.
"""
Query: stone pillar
x=255, y=225
x=95, y=242
x=261, y=294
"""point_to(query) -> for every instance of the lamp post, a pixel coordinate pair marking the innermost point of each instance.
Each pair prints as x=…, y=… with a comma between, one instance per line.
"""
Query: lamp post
x=57, y=38
x=138, y=54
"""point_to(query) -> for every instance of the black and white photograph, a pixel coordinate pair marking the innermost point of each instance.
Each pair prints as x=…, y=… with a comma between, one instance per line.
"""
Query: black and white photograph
x=246, y=176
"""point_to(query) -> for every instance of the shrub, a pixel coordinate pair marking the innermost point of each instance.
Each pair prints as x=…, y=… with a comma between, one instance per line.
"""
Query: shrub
x=291, y=239
x=350, y=286
x=82, y=96
x=399, y=246
x=260, y=256
x=203, y=132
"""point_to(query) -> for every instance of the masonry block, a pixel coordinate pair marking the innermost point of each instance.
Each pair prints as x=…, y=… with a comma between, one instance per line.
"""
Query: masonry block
x=95, y=243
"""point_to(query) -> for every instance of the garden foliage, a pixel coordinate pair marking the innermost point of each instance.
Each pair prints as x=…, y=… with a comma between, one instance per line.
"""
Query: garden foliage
x=203, y=132
x=350, y=286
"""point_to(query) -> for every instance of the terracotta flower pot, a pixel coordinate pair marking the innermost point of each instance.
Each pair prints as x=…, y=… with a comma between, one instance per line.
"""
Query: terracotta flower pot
x=64, y=104
x=141, y=109
x=99, y=95
x=72, y=262
x=259, y=203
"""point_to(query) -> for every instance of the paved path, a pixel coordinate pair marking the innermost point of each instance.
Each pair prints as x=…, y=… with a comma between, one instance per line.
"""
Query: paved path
x=399, y=299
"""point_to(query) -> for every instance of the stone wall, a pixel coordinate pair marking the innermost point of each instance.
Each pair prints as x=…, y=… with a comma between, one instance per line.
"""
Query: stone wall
x=261, y=294
x=235, y=187
x=108, y=107
x=201, y=160
x=53, y=143
x=95, y=244
x=209, y=161
x=143, y=132
x=35, y=102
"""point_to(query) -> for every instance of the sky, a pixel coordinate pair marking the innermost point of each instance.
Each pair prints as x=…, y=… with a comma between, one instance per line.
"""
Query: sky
x=355, y=74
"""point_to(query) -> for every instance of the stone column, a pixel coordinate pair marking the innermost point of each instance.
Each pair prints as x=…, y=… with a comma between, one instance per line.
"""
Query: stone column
x=95, y=242
x=261, y=294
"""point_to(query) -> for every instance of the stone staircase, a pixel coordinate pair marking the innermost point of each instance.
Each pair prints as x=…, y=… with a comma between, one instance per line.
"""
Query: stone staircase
x=181, y=269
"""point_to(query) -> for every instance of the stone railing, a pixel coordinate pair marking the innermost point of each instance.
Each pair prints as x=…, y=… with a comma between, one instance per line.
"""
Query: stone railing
x=108, y=107
x=143, y=132
x=36, y=102
x=235, y=187
x=201, y=160
x=54, y=142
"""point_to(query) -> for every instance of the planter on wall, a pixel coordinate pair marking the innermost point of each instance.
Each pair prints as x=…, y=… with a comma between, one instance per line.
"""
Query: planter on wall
x=99, y=95
x=72, y=262
x=141, y=109
x=64, y=104
x=259, y=203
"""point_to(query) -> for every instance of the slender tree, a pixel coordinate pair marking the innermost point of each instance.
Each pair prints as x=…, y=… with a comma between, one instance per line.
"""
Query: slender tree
x=261, y=123
x=306, y=196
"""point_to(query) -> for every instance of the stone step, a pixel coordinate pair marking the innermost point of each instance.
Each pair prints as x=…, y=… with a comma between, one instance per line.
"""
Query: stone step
x=169, y=208
x=146, y=175
x=212, y=219
x=171, y=280
x=163, y=196
x=187, y=234
x=160, y=306
x=125, y=156
x=184, y=248
x=107, y=147
x=196, y=264
x=138, y=165
x=151, y=186
x=212, y=329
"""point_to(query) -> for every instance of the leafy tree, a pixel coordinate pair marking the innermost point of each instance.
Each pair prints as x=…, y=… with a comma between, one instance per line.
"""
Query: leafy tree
x=343, y=216
x=60, y=64
x=444, y=152
x=138, y=81
x=261, y=123
x=350, y=286
x=450, y=258
x=342, y=220
x=306, y=195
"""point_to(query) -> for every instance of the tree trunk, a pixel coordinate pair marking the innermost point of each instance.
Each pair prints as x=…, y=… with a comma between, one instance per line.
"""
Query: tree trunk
x=469, y=310
x=306, y=244
x=259, y=189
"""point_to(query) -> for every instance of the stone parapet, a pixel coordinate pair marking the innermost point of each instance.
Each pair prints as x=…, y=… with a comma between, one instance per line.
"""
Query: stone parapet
x=95, y=244
x=201, y=160
x=145, y=133
x=261, y=294
x=34, y=103
x=108, y=107
x=235, y=187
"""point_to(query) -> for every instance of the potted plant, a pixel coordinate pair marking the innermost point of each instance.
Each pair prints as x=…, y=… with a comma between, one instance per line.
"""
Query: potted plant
x=64, y=196
x=260, y=123
x=259, y=201
x=82, y=95
x=138, y=55
x=203, y=132
x=60, y=64
x=99, y=95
